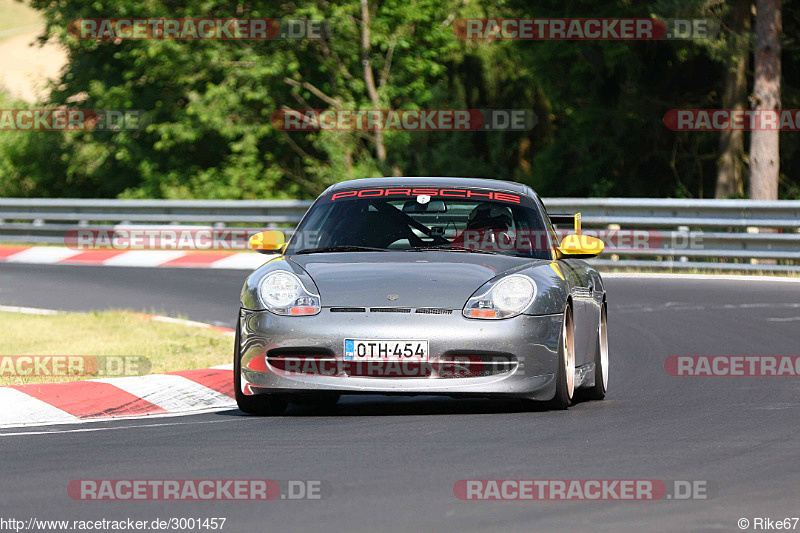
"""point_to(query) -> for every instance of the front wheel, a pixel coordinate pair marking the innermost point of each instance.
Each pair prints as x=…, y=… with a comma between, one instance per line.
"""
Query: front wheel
x=565, y=373
x=264, y=405
x=598, y=391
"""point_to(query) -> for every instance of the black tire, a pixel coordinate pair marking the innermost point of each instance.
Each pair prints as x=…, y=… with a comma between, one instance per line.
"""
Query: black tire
x=262, y=404
x=565, y=388
x=598, y=391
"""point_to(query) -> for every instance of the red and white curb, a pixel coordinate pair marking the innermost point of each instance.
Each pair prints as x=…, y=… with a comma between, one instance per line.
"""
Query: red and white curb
x=60, y=255
x=175, y=393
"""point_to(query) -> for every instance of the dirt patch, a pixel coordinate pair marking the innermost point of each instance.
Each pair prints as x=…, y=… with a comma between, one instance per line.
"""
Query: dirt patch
x=26, y=67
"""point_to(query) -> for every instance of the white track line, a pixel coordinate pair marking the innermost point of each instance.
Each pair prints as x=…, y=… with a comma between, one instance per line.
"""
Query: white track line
x=191, y=323
x=113, y=428
x=181, y=321
x=28, y=310
x=154, y=318
x=149, y=416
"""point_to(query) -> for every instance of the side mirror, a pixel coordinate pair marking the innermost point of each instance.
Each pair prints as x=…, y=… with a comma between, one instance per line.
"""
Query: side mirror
x=268, y=242
x=580, y=246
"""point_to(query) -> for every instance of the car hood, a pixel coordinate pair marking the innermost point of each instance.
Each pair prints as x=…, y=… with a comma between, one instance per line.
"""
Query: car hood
x=403, y=279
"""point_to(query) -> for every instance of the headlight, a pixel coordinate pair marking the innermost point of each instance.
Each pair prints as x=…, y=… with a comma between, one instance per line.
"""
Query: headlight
x=507, y=298
x=284, y=294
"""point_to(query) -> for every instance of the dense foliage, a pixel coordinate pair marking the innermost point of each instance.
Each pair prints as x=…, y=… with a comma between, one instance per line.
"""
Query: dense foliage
x=600, y=104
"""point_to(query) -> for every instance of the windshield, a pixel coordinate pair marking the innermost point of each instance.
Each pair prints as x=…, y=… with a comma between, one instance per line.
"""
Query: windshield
x=478, y=221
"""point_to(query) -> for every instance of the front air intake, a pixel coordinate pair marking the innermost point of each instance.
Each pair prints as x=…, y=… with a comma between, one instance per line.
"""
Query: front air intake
x=433, y=311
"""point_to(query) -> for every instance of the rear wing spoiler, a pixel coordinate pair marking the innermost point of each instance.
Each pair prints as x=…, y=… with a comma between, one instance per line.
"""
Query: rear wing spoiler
x=564, y=219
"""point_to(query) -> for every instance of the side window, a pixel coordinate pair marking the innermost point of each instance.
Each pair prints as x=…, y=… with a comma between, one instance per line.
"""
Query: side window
x=318, y=218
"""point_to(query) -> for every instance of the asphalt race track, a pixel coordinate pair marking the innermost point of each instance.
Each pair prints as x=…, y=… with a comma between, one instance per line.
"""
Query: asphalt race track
x=392, y=463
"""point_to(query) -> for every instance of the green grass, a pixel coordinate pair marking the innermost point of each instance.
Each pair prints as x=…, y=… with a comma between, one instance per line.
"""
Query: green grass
x=17, y=17
x=167, y=346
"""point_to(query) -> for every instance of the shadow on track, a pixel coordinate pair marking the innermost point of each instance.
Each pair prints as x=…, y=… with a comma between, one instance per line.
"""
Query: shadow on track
x=375, y=405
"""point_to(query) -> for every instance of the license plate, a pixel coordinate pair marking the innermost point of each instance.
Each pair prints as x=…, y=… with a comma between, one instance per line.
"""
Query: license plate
x=385, y=350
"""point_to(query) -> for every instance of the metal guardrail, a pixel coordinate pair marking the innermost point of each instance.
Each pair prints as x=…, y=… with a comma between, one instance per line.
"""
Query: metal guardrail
x=696, y=234
x=46, y=221
x=663, y=213
x=718, y=234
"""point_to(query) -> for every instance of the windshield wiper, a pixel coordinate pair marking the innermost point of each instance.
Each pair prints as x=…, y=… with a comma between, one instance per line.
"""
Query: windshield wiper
x=450, y=249
x=341, y=249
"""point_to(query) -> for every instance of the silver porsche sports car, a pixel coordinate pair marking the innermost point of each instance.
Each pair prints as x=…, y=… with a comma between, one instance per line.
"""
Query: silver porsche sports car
x=434, y=286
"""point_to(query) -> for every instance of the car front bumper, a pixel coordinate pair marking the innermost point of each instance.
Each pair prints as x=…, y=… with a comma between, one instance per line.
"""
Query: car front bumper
x=518, y=356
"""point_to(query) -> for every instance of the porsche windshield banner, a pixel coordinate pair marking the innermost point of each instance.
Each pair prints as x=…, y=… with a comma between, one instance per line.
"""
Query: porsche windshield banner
x=408, y=192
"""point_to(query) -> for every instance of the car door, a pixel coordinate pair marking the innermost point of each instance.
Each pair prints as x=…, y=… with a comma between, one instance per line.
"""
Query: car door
x=582, y=292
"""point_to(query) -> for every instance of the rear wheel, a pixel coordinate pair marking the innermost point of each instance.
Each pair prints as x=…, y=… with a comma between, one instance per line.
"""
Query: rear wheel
x=598, y=391
x=565, y=373
x=262, y=404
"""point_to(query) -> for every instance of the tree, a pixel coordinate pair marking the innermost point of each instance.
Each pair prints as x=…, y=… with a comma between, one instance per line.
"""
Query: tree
x=600, y=104
x=730, y=164
x=764, y=144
